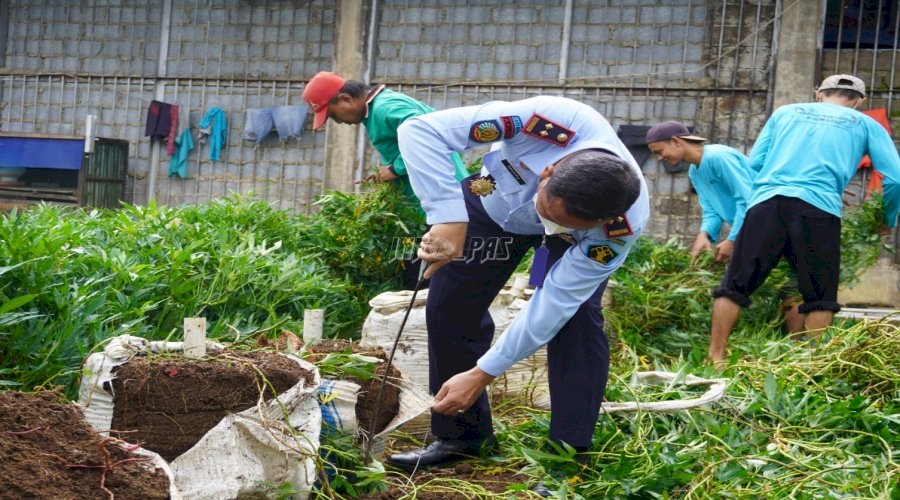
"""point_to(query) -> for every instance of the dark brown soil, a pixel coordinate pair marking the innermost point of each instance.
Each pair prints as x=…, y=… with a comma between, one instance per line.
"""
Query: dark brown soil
x=368, y=392
x=169, y=403
x=478, y=481
x=49, y=451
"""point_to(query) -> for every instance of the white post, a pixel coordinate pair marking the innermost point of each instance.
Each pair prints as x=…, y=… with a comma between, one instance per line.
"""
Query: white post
x=195, y=337
x=312, y=326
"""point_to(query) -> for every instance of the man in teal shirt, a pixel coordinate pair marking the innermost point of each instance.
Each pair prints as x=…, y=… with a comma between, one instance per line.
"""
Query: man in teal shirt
x=804, y=157
x=720, y=174
x=722, y=177
x=381, y=111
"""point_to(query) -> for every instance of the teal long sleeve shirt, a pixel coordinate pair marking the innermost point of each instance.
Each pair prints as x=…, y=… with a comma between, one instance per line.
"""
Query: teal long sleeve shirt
x=811, y=151
x=723, y=182
x=387, y=110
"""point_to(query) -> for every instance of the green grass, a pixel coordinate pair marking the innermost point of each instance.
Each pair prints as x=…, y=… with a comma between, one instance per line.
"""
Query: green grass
x=798, y=420
x=72, y=278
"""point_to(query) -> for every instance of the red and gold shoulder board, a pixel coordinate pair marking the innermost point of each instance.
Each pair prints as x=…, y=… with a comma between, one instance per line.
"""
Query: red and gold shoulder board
x=618, y=228
x=548, y=130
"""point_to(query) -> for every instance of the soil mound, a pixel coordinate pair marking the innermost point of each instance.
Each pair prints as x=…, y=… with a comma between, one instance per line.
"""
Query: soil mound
x=49, y=451
x=368, y=392
x=169, y=403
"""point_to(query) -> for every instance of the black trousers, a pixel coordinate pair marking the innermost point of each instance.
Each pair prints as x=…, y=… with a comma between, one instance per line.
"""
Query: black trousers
x=460, y=331
x=808, y=237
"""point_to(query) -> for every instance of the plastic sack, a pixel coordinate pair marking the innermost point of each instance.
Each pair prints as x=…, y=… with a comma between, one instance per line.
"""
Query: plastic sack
x=340, y=410
x=715, y=392
x=273, y=442
x=526, y=380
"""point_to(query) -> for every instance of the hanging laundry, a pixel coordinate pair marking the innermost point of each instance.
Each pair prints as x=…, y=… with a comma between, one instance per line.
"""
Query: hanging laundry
x=162, y=120
x=288, y=121
x=257, y=124
x=184, y=143
x=214, y=128
x=880, y=116
x=173, y=130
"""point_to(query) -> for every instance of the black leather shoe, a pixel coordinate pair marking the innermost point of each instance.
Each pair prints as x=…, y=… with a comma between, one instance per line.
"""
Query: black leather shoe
x=541, y=489
x=437, y=454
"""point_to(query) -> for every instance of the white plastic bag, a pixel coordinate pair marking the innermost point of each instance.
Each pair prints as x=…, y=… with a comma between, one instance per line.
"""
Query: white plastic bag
x=526, y=380
x=274, y=442
x=340, y=410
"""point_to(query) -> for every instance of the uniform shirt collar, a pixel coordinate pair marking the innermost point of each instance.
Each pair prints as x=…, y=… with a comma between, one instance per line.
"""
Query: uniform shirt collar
x=371, y=97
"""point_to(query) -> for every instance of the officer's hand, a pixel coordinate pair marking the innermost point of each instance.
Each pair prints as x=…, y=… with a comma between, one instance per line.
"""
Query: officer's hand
x=701, y=244
x=461, y=391
x=442, y=244
x=724, y=250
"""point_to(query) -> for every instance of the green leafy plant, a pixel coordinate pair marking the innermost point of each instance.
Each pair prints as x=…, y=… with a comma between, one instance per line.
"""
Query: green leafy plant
x=861, y=243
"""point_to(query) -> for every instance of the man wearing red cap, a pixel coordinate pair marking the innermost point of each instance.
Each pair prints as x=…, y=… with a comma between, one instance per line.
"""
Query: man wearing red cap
x=381, y=111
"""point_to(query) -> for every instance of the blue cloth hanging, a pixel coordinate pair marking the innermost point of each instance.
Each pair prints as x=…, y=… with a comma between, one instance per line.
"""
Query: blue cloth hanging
x=214, y=126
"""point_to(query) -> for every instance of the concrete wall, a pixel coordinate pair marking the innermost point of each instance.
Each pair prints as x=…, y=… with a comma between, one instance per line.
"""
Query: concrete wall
x=708, y=64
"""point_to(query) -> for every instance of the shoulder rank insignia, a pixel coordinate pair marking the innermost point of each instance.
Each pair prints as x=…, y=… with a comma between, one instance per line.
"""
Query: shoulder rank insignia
x=601, y=253
x=482, y=186
x=512, y=125
x=549, y=131
x=485, y=131
x=618, y=228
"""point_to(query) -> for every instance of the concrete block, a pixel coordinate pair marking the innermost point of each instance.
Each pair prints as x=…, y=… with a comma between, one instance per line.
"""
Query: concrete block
x=878, y=286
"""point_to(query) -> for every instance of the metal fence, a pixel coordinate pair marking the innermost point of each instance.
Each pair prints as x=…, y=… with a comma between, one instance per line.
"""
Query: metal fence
x=708, y=63
x=65, y=60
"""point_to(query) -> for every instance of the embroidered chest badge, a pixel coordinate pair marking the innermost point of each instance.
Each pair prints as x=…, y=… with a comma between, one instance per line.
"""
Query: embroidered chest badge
x=618, y=228
x=485, y=131
x=548, y=130
x=482, y=186
x=601, y=253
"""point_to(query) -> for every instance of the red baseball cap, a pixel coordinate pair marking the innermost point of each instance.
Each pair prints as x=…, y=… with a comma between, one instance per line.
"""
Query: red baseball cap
x=320, y=90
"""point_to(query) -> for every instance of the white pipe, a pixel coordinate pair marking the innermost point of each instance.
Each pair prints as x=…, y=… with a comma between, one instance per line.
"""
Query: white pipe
x=566, y=39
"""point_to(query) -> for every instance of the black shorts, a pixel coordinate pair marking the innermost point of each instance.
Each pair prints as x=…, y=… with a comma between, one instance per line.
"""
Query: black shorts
x=808, y=237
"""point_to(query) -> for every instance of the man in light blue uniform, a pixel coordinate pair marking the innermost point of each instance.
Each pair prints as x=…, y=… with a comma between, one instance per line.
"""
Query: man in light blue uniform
x=559, y=177
x=805, y=156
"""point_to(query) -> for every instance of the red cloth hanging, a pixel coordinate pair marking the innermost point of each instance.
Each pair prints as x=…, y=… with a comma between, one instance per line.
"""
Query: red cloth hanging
x=880, y=116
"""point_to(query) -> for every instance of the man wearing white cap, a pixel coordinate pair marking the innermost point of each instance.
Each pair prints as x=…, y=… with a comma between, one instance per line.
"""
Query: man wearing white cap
x=804, y=157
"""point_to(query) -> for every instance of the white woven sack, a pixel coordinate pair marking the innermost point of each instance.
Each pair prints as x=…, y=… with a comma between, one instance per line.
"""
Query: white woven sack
x=715, y=392
x=340, y=410
x=526, y=380
x=275, y=442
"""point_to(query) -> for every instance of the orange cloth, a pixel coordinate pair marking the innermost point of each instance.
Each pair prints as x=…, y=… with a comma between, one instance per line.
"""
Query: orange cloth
x=880, y=116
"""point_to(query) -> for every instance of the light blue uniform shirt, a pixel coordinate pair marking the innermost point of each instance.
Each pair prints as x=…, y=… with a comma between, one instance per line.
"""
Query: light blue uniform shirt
x=514, y=129
x=811, y=151
x=723, y=181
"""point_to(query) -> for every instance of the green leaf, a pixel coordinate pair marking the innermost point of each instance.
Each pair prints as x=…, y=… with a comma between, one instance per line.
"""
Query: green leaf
x=17, y=302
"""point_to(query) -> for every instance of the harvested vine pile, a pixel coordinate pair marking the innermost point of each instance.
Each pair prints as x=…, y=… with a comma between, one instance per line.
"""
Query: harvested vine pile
x=341, y=359
x=49, y=451
x=169, y=402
